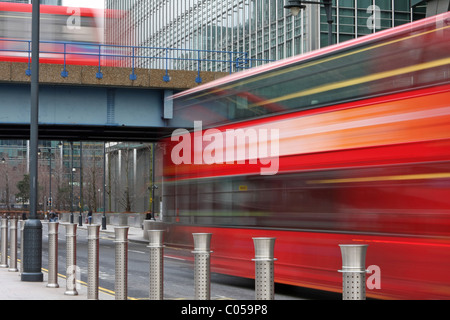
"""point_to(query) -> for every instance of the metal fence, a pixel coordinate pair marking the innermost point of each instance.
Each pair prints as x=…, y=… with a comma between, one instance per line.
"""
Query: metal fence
x=133, y=57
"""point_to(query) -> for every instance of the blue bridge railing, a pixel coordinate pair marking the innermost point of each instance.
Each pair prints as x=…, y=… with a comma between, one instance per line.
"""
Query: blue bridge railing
x=133, y=57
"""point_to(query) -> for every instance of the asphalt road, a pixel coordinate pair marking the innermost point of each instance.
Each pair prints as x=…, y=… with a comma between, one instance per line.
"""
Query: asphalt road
x=178, y=272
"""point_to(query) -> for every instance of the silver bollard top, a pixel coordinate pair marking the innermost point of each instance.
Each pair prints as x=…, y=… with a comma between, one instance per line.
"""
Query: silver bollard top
x=71, y=229
x=264, y=249
x=53, y=227
x=13, y=223
x=93, y=231
x=202, y=242
x=121, y=234
x=353, y=257
x=4, y=222
x=155, y=238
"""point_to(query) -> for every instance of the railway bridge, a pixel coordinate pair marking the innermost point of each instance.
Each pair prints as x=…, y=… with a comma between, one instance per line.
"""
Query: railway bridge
x=75, y=103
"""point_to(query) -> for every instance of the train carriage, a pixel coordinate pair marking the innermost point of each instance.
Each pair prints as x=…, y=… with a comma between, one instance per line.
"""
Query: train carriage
x=67, y=35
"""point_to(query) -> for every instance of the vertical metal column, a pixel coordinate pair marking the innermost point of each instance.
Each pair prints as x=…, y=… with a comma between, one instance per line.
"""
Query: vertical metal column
x=156, y=273
x=4, y=227
x=202, y=266
x=21, y=226
x=52, y=281
x=353, y=271
x=13, y=245
x=121, y=283
x=93, y=260
x=32, y=234
x=264, y=268
x=71, y=259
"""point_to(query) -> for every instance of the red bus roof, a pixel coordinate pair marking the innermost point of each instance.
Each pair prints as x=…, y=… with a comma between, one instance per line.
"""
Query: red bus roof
x=330, y=49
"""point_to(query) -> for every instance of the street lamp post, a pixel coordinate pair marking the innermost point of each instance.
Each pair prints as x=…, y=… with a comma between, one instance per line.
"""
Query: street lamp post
x=5, y=171
x=71, y=182
x=50, y=200
x=80, y=217
x=296, y=5
x=104, y=187
x=32, y=232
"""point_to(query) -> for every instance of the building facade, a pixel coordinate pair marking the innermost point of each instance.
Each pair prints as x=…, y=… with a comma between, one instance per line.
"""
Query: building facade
x=262, y=29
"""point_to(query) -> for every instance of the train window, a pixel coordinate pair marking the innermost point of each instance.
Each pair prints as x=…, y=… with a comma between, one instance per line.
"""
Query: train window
x=339, y=201
x=15, y=25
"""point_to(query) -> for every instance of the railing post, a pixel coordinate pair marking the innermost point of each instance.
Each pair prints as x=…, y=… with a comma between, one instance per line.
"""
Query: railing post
x=4, y=227
x=166, y=77
x=28, y=71
x=353, y=271
x=65, y=73
x=198, y=79
x=264, y=268
x=71, y=259
x=99, y=74
x=53, y=255
x=133, y=76
x=156, y=273
x=93, y=260
x=13, y=245
x=121, y=283
x=202, y=266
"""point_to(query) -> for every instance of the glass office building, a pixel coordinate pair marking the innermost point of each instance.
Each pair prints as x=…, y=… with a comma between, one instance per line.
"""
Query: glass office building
x=261, y=28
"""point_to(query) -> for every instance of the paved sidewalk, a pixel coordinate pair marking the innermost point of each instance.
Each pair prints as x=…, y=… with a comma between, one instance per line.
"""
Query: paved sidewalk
x=12, y=288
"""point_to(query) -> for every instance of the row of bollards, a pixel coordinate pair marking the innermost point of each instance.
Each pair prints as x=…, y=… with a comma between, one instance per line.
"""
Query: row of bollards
x=353, y=261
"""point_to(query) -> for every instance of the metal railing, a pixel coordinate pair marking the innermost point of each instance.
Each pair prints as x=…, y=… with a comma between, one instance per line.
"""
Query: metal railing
x=133, y=57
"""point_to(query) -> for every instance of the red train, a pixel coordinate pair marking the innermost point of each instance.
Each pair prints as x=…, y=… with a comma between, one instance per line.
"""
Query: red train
x=84, y=28
x=358, y=139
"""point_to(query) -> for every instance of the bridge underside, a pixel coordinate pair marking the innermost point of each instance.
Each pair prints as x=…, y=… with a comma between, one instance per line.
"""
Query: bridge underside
x=85, y=133
x=81, y=106
x=85, y=113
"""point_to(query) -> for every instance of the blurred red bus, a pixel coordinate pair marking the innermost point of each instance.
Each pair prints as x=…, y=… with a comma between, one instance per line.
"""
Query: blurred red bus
x=363, y=157
x=82, y=29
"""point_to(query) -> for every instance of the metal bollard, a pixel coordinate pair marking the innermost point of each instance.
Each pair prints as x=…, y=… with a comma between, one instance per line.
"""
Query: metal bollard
x=264, y=268
x=121, y=283
x=93, y=260
x=13, y=245
x=71, y=259
x=156, y=273
x=4, y=227
x=21, y=226
x=202, y=266
x=53, y=255
x=353, y=271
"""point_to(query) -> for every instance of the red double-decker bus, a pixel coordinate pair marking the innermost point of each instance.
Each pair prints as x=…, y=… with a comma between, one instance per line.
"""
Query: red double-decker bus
x=362, y=154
